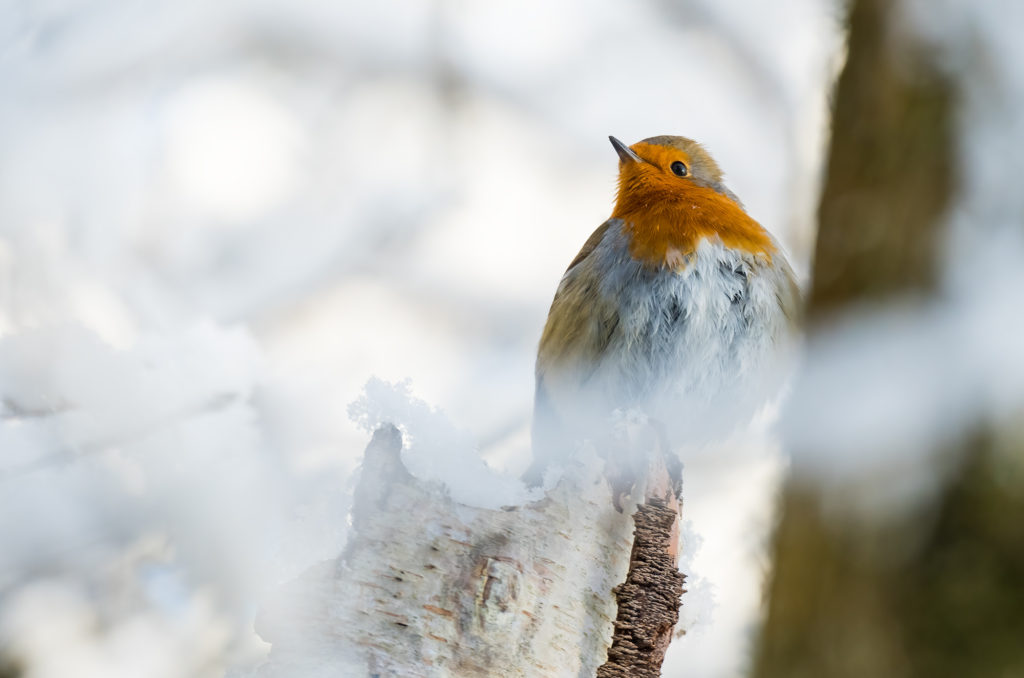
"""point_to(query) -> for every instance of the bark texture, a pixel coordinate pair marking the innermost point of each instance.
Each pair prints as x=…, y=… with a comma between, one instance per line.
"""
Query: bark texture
x=429, y=587
x=649, y=599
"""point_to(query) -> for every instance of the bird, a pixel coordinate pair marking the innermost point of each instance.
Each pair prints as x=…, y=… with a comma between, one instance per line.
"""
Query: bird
x=677, y=307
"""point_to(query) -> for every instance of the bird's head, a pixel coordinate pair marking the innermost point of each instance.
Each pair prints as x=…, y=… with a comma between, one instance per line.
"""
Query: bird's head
x=671, y=197
x=663, y=169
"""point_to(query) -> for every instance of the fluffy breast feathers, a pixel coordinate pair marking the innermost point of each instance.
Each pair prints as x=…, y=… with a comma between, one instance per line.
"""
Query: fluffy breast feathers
x=701, y=321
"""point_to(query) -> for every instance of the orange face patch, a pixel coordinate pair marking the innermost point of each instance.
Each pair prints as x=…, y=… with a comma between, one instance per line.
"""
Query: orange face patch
x=668, y=215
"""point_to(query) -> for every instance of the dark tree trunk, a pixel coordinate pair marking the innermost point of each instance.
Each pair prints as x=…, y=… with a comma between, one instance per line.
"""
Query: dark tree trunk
x=937, y=591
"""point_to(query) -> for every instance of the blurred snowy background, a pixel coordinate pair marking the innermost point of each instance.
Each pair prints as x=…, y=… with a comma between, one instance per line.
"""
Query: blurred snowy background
x=219, y=220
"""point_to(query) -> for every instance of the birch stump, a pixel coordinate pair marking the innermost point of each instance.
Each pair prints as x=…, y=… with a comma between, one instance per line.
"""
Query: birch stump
x=430, y=587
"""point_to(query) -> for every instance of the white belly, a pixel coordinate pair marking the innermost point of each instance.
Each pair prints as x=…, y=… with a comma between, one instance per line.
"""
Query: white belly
x=695, y=347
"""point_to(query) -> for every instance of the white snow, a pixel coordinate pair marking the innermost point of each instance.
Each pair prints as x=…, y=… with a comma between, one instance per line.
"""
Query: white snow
x=435, y=450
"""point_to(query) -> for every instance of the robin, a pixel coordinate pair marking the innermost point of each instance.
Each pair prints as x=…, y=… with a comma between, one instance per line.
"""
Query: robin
x=675, y=307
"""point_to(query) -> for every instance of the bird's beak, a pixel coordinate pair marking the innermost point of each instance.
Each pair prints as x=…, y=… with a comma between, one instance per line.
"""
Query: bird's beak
x=626, y=153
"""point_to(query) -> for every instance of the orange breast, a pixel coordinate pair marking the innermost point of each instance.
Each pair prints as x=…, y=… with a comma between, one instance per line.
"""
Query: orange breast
x=664, y=230
x=667, y=216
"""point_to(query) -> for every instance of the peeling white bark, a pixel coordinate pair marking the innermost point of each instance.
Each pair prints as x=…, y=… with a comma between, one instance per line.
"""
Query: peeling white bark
x=429, y=587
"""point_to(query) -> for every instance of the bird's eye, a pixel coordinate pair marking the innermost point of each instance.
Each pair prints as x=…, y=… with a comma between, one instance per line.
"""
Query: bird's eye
x=678, y=168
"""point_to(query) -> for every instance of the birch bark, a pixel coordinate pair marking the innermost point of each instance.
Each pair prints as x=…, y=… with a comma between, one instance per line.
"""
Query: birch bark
x=429, y=587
